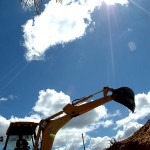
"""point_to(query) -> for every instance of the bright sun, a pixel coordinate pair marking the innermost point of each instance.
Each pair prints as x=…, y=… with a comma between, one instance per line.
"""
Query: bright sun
x=112, y=2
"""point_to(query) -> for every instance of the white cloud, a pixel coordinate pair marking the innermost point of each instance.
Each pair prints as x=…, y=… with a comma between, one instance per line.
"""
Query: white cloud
x=58, y=24
x=32, y=118
x=10, y=97
x=127, y=130
x=70, y=139
x=142, y=102
x=117, y=113
x=4, y=123
x=107, y=123
x=3, y=99
x=99, y=143
x=50, y=101
x=130, y=123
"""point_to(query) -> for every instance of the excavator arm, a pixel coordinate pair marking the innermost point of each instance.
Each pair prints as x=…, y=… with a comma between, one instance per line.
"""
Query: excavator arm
x=50, y=126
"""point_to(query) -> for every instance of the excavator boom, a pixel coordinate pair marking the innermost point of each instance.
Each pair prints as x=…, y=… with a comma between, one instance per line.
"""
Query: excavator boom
x=49, y=127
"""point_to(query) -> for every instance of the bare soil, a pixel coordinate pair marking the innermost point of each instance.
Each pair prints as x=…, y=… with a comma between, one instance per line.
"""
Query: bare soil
x=140, y=140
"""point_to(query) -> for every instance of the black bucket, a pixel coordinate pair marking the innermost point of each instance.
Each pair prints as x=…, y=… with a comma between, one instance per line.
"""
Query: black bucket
x=124, y=96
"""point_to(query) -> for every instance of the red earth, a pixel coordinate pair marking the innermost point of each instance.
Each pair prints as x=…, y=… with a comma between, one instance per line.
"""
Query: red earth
x=140, y=140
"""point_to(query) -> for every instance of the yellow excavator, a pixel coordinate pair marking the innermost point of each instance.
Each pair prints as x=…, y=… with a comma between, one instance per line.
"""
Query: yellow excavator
x=40, y=136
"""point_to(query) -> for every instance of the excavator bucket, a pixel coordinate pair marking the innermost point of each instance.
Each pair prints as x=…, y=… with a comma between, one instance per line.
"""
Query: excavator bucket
x=124, y=96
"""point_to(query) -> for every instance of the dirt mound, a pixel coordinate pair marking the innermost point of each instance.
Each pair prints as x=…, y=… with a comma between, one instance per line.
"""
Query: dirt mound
x=140, y=140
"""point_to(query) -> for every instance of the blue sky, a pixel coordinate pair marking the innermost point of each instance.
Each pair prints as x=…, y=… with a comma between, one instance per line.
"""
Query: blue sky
x=70, y=51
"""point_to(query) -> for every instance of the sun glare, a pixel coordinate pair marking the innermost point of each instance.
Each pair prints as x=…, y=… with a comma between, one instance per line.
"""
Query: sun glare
x=113, y=2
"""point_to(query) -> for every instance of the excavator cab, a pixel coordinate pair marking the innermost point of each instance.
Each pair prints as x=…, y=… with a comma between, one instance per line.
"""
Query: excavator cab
x=25, y=131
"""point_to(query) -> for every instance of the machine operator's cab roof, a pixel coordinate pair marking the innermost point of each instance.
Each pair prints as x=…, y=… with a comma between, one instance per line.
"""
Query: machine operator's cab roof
x=21, y=128
x=17, y=130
